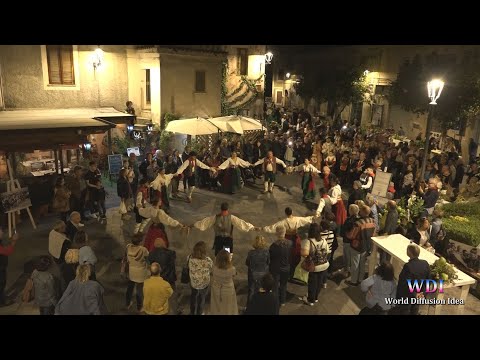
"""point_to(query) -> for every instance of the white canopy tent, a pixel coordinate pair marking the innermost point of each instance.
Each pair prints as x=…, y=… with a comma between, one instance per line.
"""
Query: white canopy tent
x=194, y=127
x=235, y=123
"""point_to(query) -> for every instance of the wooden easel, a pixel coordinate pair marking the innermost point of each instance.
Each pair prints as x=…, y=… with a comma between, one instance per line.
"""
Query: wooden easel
x=13, y=185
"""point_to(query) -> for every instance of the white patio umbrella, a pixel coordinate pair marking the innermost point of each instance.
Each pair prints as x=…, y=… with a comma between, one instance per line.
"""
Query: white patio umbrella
x=235, y=123
x=194, y=127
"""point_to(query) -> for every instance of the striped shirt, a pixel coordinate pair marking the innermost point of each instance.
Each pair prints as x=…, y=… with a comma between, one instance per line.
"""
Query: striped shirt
x=329, y=236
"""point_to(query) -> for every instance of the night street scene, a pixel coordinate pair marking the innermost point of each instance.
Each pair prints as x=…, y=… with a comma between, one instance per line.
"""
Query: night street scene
x=239, y=180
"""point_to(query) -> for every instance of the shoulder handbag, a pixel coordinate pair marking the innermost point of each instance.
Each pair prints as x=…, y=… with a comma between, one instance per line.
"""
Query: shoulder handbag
x=308, y=264
x=185, y=279
x=123, y=208
x=28, y=293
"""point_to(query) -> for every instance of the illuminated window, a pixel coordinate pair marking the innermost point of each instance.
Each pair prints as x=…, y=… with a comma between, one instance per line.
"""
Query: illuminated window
x=60, y=65
x=199, y=81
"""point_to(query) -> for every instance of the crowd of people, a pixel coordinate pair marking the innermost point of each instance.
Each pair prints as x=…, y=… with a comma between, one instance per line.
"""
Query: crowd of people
x=345, y=158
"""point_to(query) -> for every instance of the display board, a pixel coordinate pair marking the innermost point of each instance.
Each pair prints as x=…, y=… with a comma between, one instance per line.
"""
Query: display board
x=380, y=184
x=115, y=163
x=15, y=200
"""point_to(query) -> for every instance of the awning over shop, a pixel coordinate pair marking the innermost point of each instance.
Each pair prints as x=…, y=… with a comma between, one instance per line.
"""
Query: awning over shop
x=38, y=129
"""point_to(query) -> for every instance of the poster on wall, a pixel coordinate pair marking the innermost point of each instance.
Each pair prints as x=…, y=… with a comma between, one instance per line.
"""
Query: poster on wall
x=15, y=200
x=134, y=150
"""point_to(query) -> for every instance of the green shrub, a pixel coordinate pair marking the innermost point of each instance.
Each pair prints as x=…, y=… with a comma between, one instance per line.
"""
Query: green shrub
x=120, y=145
x=465, y=209
x=164, y=142
x=467, y=232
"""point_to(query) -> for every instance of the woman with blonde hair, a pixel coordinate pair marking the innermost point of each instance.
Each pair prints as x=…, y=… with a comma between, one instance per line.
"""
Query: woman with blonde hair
x=223, y=297
x=83, y=296
x=258, y=261
x=200, y=267
x=85, y=252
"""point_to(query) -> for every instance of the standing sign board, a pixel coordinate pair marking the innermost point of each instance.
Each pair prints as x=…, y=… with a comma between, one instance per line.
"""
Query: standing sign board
x=115, y=163
x=380, y=185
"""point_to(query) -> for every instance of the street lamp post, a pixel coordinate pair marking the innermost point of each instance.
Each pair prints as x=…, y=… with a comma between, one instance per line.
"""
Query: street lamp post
x=435, y=88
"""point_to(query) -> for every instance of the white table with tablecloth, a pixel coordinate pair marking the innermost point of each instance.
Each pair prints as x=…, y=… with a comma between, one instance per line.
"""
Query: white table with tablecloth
x=396, y=245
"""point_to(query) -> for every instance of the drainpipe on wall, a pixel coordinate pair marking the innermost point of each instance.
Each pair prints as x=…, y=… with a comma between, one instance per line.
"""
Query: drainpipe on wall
x=2, y=100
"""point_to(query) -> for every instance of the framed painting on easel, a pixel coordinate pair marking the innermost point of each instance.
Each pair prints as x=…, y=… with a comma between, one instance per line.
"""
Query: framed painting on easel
x=15, y=199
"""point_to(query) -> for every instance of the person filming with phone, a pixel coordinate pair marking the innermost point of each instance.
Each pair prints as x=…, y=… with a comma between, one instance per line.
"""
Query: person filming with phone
x=6, y=249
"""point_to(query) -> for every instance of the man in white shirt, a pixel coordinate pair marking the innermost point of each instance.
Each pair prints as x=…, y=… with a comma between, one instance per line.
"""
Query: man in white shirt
x=367, y=179
x=291, y=224
x=190, y=165
x=223, y=224
x=158, y=215
x=270, y=170
x=325, y=204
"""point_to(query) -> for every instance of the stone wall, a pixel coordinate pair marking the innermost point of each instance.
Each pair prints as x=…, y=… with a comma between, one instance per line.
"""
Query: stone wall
x=23, y=79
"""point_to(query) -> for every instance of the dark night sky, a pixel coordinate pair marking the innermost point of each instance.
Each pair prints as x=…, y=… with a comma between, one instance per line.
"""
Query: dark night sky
x=286, y=56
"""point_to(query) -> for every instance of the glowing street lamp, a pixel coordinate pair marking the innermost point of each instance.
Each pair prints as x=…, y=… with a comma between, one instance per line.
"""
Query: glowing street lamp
x=287, y=75
x=87, y=146
x=434, y=88
x=97, y=58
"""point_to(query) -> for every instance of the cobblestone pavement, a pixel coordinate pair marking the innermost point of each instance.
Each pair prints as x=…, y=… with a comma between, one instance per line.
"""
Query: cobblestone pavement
x=260, y=209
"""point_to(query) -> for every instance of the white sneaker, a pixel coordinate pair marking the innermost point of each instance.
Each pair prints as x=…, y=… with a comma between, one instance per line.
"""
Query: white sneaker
x=93, y=216
x=324, y=285
x=81, y=225
x=316, y=301
x=305, y=301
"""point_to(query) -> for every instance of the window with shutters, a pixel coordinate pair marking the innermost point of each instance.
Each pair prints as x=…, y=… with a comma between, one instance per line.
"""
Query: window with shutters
x=200, y=81
x=60, y=67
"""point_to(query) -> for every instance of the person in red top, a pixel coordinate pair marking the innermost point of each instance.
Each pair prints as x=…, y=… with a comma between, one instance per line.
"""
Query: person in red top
x=6, y=249
x=155, y=231
x=391, y=187
x=327, y=177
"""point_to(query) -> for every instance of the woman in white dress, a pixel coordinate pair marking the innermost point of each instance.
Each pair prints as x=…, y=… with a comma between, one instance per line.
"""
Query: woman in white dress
x=308, y=184
x=232, y=179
